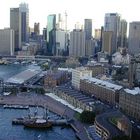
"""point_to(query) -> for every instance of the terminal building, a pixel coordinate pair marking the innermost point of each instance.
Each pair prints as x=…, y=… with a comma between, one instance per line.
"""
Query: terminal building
x=23, y=77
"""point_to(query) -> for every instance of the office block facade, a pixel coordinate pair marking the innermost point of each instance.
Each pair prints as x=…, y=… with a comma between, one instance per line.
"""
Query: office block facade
x=7, y=42
x=134, y=38
x=112, y=23
x=77, y=43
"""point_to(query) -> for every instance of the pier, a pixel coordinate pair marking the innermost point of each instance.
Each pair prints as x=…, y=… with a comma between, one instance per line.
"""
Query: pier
x=49, y=103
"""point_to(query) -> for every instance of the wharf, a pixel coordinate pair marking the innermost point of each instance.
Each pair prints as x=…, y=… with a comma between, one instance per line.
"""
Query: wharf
x=52, y=105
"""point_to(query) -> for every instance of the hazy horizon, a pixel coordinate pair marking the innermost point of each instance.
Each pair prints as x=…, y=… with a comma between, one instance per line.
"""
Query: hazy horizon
x=77, y=11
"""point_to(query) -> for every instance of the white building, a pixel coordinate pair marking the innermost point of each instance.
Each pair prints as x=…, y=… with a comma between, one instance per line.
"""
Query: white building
x=60, y=41
x=7, y=41
x=134, y=38
x=118, y=58
x=79, y=73
x=77, y=43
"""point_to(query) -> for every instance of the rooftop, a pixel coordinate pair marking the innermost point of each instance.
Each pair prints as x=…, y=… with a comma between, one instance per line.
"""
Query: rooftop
x=102, y=83
x=135, y=91
x=23, y=76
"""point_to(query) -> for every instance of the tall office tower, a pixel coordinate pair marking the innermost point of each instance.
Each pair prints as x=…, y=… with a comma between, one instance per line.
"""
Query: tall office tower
x=24, y=25
x=122, y=40
x=15, y=25
x=7, y=42
x=134, y=38
x=60, y=41
x=44, y=33
x=107, y=37
x=112, y=23
x=36, y=28
x=97, y=34
x=89, y=47
x=88, y=28
x=77, y=43
x=51, y=35
x=60, y=22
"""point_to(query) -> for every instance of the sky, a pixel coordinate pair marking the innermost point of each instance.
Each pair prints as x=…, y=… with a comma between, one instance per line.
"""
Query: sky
x=77, y=10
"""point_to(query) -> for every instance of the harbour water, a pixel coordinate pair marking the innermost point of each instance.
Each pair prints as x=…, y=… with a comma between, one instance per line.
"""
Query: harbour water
x=17, y=132
x=13, y=132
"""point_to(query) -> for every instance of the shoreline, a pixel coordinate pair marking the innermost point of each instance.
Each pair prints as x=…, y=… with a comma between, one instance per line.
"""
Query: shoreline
x=52, y=105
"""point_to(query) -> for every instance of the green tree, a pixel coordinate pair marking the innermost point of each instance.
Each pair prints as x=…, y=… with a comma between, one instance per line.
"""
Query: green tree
x=87, y=117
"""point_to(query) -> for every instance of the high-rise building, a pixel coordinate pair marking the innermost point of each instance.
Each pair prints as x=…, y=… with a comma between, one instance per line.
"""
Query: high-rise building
x=107, y=41
x=24, y=25
x=36, y=28
x=77, y=43
x=15, y=25
x=7, y=41
x=51, y=35
x=89, y=47
x=134, y=38
x=122, y=40
x=44, y=33
x=88, y=28
x=60, y=41
x=97, y=34
x=112, y=23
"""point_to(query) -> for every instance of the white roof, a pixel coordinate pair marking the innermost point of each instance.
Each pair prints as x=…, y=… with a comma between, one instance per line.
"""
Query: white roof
x=65, y=69
x=64, y=102
x=133, y=92
x=103, y=83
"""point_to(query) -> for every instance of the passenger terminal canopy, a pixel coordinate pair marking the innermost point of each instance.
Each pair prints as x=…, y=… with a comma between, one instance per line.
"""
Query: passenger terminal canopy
x=23, y=76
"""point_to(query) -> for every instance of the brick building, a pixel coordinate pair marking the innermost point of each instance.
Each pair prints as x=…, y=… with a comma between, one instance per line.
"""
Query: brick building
x=100, y=89
x=55, y=78
x=129, y=102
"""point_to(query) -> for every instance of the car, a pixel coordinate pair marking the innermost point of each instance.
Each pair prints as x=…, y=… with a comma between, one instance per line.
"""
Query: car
x=138, y=126
x=132, y=121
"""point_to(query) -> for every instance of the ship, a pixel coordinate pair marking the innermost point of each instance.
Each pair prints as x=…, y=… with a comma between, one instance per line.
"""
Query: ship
x=37, y=123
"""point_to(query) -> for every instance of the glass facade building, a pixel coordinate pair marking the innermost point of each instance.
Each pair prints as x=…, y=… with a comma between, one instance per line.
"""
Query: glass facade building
x=51, y=35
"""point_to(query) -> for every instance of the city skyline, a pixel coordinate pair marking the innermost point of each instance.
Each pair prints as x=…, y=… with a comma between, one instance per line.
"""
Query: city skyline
x=95, y=10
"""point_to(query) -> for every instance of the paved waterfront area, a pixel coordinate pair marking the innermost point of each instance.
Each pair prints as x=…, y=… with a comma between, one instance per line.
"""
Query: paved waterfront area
x=51, y=104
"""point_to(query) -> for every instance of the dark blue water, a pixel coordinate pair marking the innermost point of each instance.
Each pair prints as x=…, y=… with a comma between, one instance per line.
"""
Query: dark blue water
x=12, y=132
x=6, y=71
x=17, y=132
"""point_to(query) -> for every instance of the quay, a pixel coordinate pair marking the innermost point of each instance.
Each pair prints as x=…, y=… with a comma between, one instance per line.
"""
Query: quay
x=27, y=99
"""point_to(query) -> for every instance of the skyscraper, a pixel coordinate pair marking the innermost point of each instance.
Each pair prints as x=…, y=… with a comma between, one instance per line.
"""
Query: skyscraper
x=107, y=42
x=36, y=28
x=112, y=23
x=77, y=43
x=134, y=38
x=51, y=26
x=88, y=29
x=7, y=41
x=122, y=41
x=24, y=25
x=15, y=25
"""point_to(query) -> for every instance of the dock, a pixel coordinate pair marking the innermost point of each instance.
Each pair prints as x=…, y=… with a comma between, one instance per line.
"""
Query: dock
x=15, y=106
